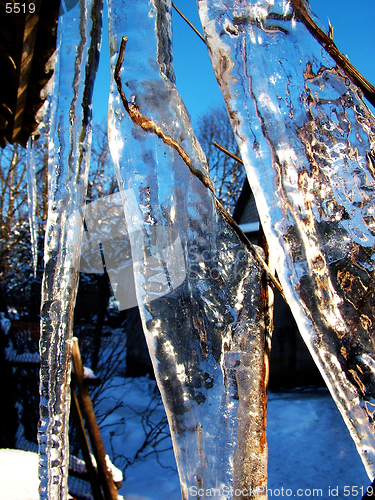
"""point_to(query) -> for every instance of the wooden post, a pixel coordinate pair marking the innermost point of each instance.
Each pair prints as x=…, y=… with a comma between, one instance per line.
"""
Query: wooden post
x=82, y=436
x=105, y=475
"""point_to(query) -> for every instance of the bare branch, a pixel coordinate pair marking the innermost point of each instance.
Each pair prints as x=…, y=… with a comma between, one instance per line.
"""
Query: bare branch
x=327, y=42
x=189, y=23
x=149, y=126
x=231, y=155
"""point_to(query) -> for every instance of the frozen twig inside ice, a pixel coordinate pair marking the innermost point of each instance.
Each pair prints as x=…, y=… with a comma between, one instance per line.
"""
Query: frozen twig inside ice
x=327, y=42
x=149, y=126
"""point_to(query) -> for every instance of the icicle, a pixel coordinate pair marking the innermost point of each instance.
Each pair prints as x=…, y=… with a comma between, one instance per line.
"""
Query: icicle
x=32, y=200
x=70, y=139
x=205, y=334
x=307, y=140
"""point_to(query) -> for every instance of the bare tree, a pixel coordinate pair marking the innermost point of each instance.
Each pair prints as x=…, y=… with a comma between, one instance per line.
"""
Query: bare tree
x=12, y=198
x=226, y=174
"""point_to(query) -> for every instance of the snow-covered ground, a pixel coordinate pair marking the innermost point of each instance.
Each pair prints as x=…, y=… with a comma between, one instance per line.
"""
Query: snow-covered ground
x=310, y=451
x=19, y=475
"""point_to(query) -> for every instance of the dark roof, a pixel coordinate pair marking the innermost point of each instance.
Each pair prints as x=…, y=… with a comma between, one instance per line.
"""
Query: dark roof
x=242, y=201
x=27, y=42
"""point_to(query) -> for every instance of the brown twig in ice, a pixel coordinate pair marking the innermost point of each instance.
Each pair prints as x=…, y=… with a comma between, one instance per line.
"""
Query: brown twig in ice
x=149, y=125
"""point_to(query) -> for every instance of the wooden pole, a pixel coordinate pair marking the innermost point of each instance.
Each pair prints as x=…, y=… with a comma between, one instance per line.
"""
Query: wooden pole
x=85, y=447
x=105, y=475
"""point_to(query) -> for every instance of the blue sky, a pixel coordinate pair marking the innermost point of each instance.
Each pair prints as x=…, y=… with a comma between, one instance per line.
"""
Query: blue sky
x=354, y=35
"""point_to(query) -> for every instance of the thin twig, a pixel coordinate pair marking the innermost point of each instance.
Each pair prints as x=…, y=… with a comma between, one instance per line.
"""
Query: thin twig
x=264, y=264
x=189, y=23
x=228, y=153
x=327, y=42
x=149, y=126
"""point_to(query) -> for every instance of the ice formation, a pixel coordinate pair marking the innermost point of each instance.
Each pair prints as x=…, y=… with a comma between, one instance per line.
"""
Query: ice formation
x=32, y=199
x=205, y=333
x=307, y=139
x=106, y=239
x=70, y=138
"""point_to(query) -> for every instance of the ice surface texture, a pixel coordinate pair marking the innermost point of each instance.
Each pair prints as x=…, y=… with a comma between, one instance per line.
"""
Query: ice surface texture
x=70, y=138
x=205, y=332
x=32, y=199
x=307, y=139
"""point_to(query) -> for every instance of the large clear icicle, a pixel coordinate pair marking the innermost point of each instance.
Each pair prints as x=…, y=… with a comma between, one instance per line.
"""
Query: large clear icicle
x=70, y=138
x=204, y=329
x=32, y=200
x=307, y=140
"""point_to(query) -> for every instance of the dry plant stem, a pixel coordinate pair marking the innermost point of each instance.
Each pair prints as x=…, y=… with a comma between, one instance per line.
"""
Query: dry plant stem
x=224, y=150
x=259, y=258
x=327, y=42
x=189, y=23
x=149, y=126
